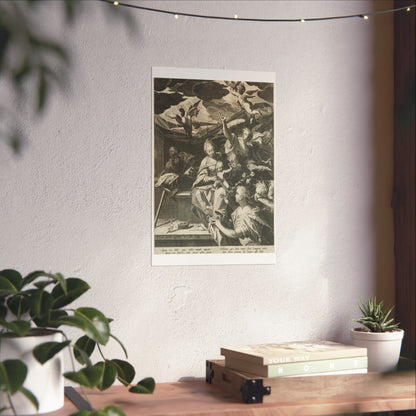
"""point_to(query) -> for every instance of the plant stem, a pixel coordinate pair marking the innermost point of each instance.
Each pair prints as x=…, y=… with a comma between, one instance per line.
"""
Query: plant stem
x=101, y=353
x=73, y=369
x=11, y=404
x=19, y=310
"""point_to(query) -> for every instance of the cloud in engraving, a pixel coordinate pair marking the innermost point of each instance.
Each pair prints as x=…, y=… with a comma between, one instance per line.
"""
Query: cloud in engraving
x=210, y=90
x=163, y=101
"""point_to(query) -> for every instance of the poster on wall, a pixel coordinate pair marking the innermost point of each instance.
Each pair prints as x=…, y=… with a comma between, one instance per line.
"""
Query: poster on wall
x=213, y=167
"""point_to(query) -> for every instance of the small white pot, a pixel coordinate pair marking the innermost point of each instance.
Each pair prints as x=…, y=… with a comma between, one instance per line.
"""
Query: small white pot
x=44, y=381
x=383, y=348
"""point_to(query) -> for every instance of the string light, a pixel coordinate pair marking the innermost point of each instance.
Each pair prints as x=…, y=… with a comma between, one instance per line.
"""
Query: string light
x=176, y=17
x=249, y=19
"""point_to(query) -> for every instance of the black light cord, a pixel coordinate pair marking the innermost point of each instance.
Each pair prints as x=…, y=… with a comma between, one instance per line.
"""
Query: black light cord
x=249, y=19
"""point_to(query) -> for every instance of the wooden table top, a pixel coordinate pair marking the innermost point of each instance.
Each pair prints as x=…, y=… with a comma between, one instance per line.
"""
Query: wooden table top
x=198, y=398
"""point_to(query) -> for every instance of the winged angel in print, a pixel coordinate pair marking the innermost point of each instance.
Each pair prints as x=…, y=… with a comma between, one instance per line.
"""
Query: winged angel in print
x=214, y=156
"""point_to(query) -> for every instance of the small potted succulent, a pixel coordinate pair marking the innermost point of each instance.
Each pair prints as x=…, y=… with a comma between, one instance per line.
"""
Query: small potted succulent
x=380, y=335
x=34, y=310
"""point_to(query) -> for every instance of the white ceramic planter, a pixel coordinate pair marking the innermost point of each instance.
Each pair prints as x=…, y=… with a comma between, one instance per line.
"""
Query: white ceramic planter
x=383, y=348
x=44, y=381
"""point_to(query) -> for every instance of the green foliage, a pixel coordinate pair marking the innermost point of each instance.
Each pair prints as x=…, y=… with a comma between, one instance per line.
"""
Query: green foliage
x=105, y=411
x=88, y=376
x=108, y=374
x=40, y=300
x=83, y=348
x=39, y=62
x=44, y=352
x=12, y=375
x=29, y=395
x=125, y=371
x=145, y=386
x=375, y=317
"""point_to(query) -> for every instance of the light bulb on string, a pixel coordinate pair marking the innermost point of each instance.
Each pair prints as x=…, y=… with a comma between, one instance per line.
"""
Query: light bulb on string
x=249, y=19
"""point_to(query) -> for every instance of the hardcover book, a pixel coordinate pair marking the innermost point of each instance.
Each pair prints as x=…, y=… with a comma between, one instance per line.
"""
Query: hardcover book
x=292, y=352
x=299, y=368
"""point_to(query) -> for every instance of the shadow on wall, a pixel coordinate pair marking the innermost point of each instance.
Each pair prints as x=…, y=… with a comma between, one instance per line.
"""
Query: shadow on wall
x=44, y=62
x=382, y=142
x=403, y=201
x=363, y=247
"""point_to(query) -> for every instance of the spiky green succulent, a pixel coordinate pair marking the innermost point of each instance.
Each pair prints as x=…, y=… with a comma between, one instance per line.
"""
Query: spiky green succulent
x=375, y=317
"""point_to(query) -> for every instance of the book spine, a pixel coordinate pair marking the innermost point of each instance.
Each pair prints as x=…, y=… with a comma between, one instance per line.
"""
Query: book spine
x=288, y=369
x=333, y=373
x=321, y=366
x=288, y=357
x=314, y=356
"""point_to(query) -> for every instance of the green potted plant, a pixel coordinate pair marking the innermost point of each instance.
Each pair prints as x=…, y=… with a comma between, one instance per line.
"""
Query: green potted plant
x=34, y=311
x=380, y=334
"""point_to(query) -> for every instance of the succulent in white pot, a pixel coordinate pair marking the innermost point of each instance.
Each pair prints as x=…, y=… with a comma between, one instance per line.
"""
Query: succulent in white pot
x=380, y=334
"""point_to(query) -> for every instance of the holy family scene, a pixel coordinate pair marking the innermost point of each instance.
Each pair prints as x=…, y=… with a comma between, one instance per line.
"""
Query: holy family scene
x=213, y=163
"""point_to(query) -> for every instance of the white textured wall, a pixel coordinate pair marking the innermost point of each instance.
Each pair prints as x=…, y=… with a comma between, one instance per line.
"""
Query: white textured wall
x=78, y=199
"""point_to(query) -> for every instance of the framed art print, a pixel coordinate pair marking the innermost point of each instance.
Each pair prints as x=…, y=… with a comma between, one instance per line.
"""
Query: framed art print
x=213, y=167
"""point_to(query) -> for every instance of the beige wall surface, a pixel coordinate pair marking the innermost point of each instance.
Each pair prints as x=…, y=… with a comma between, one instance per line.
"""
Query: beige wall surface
x=78, y=199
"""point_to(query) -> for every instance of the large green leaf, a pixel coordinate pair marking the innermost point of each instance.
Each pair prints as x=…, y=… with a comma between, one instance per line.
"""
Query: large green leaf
x=108, y=374
x=12, y=375
x=3, y=312
x=45, y=351
x=88, y=377
x=125, y=371
x=29, y=395
x=54, y=277
x=98, y=328
x=110, y=411
x=18, y=305
x=54, y=316
x=31, y=277
x=13, y=276
x=61, y=280
x=145, y=386
x=75, y=288
x=40, y=304
x=18, y=327
x=83, y=349
x=83, y=413
x=75, y=321
x=7, y=287
x=82, y=357
x=43, y=284
x=92, y=322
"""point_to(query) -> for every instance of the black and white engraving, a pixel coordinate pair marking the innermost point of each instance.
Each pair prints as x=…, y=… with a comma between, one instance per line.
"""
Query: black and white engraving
x=213, y=166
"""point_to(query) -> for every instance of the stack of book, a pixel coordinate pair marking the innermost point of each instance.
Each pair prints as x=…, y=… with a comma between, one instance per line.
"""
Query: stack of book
x=296, y=359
